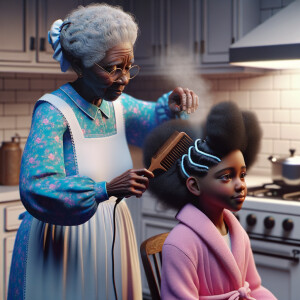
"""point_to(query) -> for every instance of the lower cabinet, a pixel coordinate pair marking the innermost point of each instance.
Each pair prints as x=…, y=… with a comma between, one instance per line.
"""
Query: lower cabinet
x=9, y=217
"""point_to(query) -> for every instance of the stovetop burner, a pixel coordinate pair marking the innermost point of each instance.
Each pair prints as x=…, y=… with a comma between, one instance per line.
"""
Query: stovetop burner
x=274, y=191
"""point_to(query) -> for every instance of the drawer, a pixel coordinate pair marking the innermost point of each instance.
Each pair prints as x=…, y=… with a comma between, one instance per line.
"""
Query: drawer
x=8, y=251
x=12, y=213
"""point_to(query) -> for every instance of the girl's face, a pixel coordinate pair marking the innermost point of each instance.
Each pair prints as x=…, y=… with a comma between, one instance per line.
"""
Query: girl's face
x=100, y=83
x=224, y=185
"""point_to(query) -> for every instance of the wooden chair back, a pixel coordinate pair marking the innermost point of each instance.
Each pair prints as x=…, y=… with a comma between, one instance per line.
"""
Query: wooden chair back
x=151, y=254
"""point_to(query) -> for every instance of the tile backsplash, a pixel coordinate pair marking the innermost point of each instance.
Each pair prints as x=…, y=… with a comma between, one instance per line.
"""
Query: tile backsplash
x=273, y=96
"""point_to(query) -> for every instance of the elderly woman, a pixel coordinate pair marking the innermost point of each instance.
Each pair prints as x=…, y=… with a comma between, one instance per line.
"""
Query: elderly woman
x=76, y=163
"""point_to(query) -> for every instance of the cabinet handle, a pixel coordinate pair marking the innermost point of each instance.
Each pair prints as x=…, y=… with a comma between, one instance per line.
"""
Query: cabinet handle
x=232, y=40
x=154, y=50
x=42, y=44
x=32, y=43
x=202, y=46
x=293, y=258
x=196, y=47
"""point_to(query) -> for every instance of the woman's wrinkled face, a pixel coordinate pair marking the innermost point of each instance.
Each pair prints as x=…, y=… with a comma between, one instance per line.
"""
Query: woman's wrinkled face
x=224, y=185
x=103, y=85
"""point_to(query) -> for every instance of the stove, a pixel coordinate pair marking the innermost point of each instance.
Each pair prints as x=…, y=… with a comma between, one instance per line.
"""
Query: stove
x=271, y=217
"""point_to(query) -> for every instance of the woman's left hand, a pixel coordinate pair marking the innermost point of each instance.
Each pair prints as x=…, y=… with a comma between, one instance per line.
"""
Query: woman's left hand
x=183, y=99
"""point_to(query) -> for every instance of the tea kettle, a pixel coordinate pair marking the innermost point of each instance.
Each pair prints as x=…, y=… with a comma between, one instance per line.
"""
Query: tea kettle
x=10, y=161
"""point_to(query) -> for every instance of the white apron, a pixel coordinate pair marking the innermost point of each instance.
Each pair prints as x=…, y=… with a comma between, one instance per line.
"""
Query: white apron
x=74, y=262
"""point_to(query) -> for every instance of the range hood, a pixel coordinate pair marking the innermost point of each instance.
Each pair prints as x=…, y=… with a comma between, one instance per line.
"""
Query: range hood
x=274, y=44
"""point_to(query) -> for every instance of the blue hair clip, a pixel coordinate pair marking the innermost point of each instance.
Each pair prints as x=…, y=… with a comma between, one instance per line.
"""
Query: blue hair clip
x=206, y=154
x=54, y=41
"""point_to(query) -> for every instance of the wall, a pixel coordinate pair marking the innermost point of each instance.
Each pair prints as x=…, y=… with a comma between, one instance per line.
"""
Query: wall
x=273, y=96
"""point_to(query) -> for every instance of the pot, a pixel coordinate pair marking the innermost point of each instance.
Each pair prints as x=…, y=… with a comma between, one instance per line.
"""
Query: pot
x=286, y=171
x=10, y=161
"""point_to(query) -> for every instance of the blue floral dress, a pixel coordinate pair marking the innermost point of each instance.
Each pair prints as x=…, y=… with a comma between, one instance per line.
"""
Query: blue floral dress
x=62, y=248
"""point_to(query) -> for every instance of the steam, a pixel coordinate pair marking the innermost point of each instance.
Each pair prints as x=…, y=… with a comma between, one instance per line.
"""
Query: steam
x=183, y=73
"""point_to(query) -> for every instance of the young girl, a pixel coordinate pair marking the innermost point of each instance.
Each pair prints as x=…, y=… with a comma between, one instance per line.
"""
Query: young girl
x=208, y=255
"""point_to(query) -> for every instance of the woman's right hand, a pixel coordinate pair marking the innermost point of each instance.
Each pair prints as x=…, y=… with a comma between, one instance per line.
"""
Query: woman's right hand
x=131, y=183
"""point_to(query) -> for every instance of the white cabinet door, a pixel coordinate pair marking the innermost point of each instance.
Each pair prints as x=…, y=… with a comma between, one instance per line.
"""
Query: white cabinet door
x=180, y=32
x=17, y=31
x=224, y=22
x=48, y=12
x=217, y=35
x=148, y=18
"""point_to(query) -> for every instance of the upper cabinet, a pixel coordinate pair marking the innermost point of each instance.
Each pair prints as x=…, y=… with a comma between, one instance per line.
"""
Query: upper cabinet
x=193, y=33
x=223, y=23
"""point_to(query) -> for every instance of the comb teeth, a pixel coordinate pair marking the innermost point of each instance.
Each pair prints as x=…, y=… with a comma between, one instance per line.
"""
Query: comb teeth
x=172, y=149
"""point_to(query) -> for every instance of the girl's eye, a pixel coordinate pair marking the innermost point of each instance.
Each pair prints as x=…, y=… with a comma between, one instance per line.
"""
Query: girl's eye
x=243, y=175
x=225, y=177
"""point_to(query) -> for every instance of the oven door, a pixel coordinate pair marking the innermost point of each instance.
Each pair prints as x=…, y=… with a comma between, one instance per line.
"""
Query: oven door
x=279, y=267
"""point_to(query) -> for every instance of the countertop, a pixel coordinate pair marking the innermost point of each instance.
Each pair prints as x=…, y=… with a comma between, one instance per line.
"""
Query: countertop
x=9, y=193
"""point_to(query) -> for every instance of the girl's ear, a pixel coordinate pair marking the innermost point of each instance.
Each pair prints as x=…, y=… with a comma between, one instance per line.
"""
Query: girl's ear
x=193, y=186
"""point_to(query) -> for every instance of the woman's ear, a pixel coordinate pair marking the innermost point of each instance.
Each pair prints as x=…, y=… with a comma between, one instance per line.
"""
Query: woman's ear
x=193, y=186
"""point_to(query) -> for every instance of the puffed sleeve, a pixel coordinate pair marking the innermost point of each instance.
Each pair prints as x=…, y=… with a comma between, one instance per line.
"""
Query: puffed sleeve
x=143, y=116
x=46, y=192
x=179, y=279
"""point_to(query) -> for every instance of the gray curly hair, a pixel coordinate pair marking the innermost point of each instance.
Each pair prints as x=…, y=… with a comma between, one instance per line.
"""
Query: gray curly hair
x=88, y=32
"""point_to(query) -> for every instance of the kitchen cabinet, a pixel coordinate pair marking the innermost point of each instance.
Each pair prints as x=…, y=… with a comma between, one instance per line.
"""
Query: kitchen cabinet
x=167, y=33
x=24, y=26
x=10, y=209
x=194, y=34
x=224, y=22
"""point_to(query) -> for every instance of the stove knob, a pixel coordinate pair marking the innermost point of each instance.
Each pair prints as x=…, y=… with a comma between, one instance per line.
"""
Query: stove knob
x=251, y=219
x=269, y=222
x=288, y=224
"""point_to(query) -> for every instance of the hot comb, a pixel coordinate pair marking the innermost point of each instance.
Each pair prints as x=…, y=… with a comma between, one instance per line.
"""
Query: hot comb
x=175, y=146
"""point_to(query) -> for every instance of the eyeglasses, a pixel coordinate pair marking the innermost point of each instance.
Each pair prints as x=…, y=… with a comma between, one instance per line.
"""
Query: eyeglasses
x=118, y=72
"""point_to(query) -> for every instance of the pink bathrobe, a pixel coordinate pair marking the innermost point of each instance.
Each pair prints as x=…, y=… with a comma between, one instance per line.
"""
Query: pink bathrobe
x=198, y=264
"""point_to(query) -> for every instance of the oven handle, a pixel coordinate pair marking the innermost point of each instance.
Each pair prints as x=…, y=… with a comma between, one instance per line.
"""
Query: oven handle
x=293, y=258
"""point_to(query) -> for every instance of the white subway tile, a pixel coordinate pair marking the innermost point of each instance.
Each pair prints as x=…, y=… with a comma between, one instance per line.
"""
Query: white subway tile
x=16, y=84
x=295, y=116
x=262, y=161
x=290, y=99
x=265, y=99
x=257, y=83
x=9, y=133
x=270, y=131
x=281, y=147
x=282, y=81
x=7, y=96
x=7, y=122
x=228, y=84
x=290, y=131
x=264, y=115
x=28, y=96
x=281, y=116
x=295, y=81
x=241, y=98
x=220, y=96
x=42, y=84
x=16, y=109
x=266, y=146
x=24, y=121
